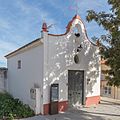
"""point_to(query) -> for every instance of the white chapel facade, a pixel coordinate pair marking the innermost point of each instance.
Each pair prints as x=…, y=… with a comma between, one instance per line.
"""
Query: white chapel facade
x=69, y=60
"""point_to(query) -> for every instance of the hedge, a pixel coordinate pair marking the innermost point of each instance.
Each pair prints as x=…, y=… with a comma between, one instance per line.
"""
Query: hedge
x=13, y=108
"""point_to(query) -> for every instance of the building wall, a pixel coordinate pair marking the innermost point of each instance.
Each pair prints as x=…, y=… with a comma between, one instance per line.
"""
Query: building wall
x=30, y=75
x=2, y=85
x=106, y=90
x=3, y=80
x=114, y=91
x=59, y=54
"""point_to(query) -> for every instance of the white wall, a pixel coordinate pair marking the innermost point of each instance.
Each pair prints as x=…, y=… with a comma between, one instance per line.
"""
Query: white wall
x=20, y=81
x=59, y=54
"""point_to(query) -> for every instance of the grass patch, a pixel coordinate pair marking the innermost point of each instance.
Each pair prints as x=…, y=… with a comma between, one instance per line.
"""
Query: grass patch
x=13, y=108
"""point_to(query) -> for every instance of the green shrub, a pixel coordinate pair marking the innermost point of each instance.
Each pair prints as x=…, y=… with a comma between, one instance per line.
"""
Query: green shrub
x=13, y=108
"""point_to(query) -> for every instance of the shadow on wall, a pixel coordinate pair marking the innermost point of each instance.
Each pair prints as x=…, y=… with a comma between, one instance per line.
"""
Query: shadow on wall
x=93, y=71
x=57, y=64
x=60, y=58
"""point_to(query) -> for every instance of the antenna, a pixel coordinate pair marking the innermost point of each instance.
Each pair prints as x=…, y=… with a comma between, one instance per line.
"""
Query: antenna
x=50, y=26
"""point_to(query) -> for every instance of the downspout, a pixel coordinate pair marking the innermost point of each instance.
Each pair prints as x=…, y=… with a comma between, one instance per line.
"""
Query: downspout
x=114, y=92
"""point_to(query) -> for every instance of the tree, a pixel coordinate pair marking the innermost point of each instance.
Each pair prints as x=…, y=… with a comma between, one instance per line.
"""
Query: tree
x=109, y=43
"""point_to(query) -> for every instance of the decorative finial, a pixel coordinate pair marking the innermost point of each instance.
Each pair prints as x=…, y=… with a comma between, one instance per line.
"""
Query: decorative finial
x=44, y=27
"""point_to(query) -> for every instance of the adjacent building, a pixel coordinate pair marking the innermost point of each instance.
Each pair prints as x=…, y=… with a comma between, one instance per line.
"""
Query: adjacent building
x=106, y=90
x=3, y=79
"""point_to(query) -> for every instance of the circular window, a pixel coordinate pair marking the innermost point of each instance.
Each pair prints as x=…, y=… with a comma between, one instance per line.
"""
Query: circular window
x=76, y=59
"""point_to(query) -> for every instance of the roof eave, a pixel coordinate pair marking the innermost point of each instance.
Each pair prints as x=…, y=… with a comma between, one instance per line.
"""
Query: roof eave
x=24, y=48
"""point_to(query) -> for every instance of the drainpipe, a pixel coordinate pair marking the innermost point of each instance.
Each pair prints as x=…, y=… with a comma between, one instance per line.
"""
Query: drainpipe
x=117, y=92
x=114, y=92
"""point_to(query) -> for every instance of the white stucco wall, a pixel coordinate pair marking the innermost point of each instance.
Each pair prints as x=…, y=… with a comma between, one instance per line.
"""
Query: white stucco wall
x=59, y=54
x=20, y=81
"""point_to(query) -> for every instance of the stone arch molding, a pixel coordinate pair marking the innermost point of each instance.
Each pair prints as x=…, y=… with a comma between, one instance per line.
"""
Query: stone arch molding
x=78, y=24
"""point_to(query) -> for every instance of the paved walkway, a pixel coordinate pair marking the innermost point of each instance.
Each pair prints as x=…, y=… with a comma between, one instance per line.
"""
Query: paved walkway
x=108, y=109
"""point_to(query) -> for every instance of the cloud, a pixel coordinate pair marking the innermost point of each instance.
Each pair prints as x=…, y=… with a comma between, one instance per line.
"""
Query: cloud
x=4, y=24
x=33, y=11
x=94, y=4
x=21, y=25
x=38, y=14
x=5, y=48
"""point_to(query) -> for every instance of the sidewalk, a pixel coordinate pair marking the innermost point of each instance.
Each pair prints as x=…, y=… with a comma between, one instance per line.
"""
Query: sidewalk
x=111, y=100
x=108, y=109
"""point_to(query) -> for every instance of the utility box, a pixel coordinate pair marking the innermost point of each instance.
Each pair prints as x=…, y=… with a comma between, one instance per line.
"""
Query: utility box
x=35, y=96
x=33, y=93
x=54, y=98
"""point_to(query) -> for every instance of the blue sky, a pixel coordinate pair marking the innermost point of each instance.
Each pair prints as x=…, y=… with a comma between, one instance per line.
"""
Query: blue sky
x=21, y=20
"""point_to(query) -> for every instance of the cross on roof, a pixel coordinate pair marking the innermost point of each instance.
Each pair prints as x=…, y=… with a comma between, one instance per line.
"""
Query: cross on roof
x=75, y=7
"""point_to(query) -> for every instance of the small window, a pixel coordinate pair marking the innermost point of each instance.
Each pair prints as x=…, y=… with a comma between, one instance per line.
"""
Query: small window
x=76, y=59
x=19, y=64
x=107, y=90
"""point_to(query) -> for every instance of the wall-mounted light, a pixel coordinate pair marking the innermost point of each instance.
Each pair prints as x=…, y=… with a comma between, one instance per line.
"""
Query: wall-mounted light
x=77, y=55
x=88, y=81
